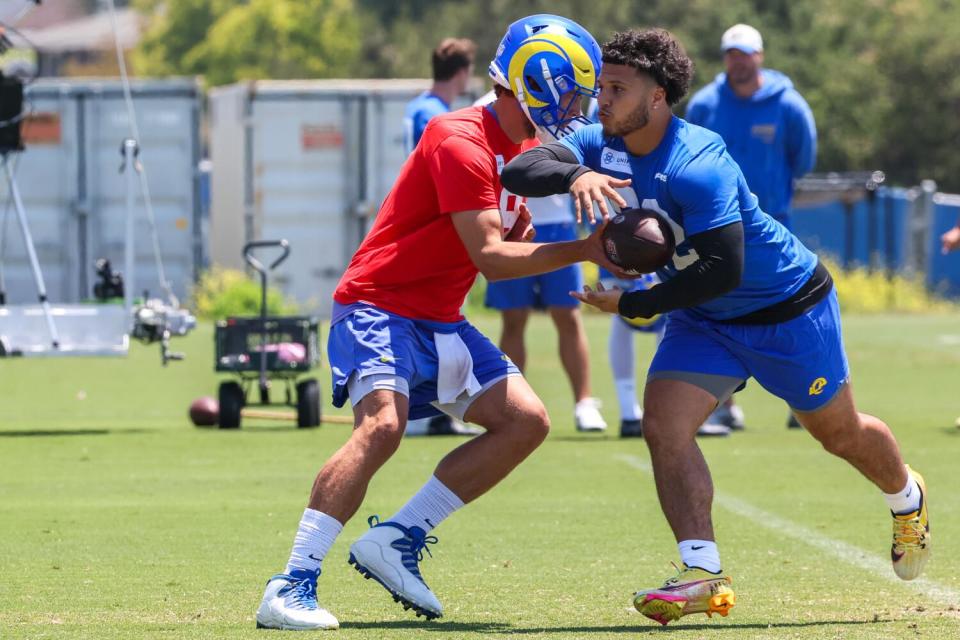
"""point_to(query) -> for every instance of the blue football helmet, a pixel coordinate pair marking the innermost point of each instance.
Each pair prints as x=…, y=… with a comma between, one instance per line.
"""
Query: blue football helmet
x=543, y=58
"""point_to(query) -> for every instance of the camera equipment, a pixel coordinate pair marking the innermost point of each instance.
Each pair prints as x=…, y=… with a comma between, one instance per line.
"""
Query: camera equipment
x=110, y=282
x=156, y=321
x=87, y=329
x=11, y=113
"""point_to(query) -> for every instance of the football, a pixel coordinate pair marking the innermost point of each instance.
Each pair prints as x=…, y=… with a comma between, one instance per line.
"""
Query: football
x=204, y=412
x=638, y=241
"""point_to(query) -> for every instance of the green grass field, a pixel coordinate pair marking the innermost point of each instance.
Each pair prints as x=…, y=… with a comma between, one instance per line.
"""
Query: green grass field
x=118, y=519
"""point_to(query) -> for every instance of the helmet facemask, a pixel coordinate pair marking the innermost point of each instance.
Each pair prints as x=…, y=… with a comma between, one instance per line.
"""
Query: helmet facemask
x=551, y=102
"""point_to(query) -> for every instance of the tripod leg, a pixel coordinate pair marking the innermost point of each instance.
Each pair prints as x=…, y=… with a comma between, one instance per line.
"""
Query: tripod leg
x=31, y=253
x=129, y=284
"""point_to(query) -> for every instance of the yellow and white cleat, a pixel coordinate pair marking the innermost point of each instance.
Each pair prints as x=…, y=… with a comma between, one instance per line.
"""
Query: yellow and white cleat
x=911, y=537
x=692, y=590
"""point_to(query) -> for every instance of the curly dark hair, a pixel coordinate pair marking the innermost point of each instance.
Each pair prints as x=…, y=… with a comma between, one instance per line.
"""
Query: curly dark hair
x=654, y=52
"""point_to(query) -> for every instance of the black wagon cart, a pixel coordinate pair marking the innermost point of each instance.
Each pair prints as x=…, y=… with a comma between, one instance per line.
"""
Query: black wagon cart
x=261, y=351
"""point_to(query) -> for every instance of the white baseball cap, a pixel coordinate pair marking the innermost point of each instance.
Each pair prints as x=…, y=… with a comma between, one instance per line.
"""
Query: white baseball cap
x=742, y=37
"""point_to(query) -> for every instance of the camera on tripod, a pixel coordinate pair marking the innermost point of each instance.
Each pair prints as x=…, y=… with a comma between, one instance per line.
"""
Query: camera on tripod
x=109, y=282
x=87, y=329
x=11, y=113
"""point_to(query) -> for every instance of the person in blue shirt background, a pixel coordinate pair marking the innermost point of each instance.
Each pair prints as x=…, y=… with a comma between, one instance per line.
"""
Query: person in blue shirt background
x=766, y=124
x=768, y=129
x=743, y=297
x=452, y=63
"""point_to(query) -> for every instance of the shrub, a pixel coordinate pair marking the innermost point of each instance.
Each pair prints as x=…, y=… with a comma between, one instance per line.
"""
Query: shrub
x=229, y=292
x=860, y=291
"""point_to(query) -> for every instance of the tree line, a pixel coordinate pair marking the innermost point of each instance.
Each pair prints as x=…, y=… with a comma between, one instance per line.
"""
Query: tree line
x=880, y=75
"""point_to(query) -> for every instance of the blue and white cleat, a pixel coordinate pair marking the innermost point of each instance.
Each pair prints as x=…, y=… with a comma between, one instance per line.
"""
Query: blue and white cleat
x=290, y=602
x=390, y=554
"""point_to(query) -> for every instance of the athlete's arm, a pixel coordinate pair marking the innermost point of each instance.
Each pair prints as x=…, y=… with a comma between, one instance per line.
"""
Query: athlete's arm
x=545, y=170
x=718, y=271
x=553, y=168
x=499, y=259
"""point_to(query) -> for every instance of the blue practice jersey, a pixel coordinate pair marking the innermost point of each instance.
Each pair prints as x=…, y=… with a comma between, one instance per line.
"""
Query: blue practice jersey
x=418, y=114
x=692, y=181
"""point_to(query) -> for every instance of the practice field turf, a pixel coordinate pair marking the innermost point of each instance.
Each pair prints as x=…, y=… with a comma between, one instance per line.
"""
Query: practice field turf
x=120, y=520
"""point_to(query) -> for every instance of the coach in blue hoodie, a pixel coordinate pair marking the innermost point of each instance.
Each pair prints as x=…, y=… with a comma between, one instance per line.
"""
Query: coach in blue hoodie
x=767, y=126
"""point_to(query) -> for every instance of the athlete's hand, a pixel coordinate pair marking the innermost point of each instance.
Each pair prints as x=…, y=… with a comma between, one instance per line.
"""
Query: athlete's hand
x=522, y=230
x=950, y=240
x=604, y=299
x=596, y=187
x=593, y=252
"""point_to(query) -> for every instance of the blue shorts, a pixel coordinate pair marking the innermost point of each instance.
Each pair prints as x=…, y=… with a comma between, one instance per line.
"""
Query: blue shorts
x=365, y=341
x=801, y=361
x=545, y=290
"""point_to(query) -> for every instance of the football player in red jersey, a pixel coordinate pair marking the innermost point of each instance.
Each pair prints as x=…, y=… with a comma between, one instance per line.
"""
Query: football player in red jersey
x=398, y=345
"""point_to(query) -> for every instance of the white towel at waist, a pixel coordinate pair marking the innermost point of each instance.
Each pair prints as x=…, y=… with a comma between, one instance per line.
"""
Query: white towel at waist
x=455, y=372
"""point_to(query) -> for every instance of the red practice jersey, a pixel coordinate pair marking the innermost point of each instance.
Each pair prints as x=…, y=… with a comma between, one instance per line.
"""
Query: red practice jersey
x=412, y=261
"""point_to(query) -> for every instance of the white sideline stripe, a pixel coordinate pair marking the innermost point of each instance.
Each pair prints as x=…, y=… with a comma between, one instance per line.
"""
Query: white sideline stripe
x=841, y=550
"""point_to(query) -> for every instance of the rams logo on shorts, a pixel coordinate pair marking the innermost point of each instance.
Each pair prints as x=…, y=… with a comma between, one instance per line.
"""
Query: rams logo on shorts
x=816, y=388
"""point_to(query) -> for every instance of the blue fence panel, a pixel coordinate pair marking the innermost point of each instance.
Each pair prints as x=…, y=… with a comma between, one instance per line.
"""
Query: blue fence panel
x=943, y=272
x=850, y=233
x=897, y=205
x=821, y=228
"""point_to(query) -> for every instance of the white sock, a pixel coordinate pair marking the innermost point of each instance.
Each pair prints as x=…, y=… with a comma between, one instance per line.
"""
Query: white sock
x=620, y=348
x=428, y=507
x=313, y=540
x=907, y=500
x=700, y=553
x=627, y=397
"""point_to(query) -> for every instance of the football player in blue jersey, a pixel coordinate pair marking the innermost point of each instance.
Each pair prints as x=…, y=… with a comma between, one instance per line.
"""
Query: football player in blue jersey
x=621, y=351
x=744, y=299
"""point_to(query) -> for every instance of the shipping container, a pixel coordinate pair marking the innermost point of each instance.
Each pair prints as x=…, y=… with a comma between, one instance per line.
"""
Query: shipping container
x=308, y=161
